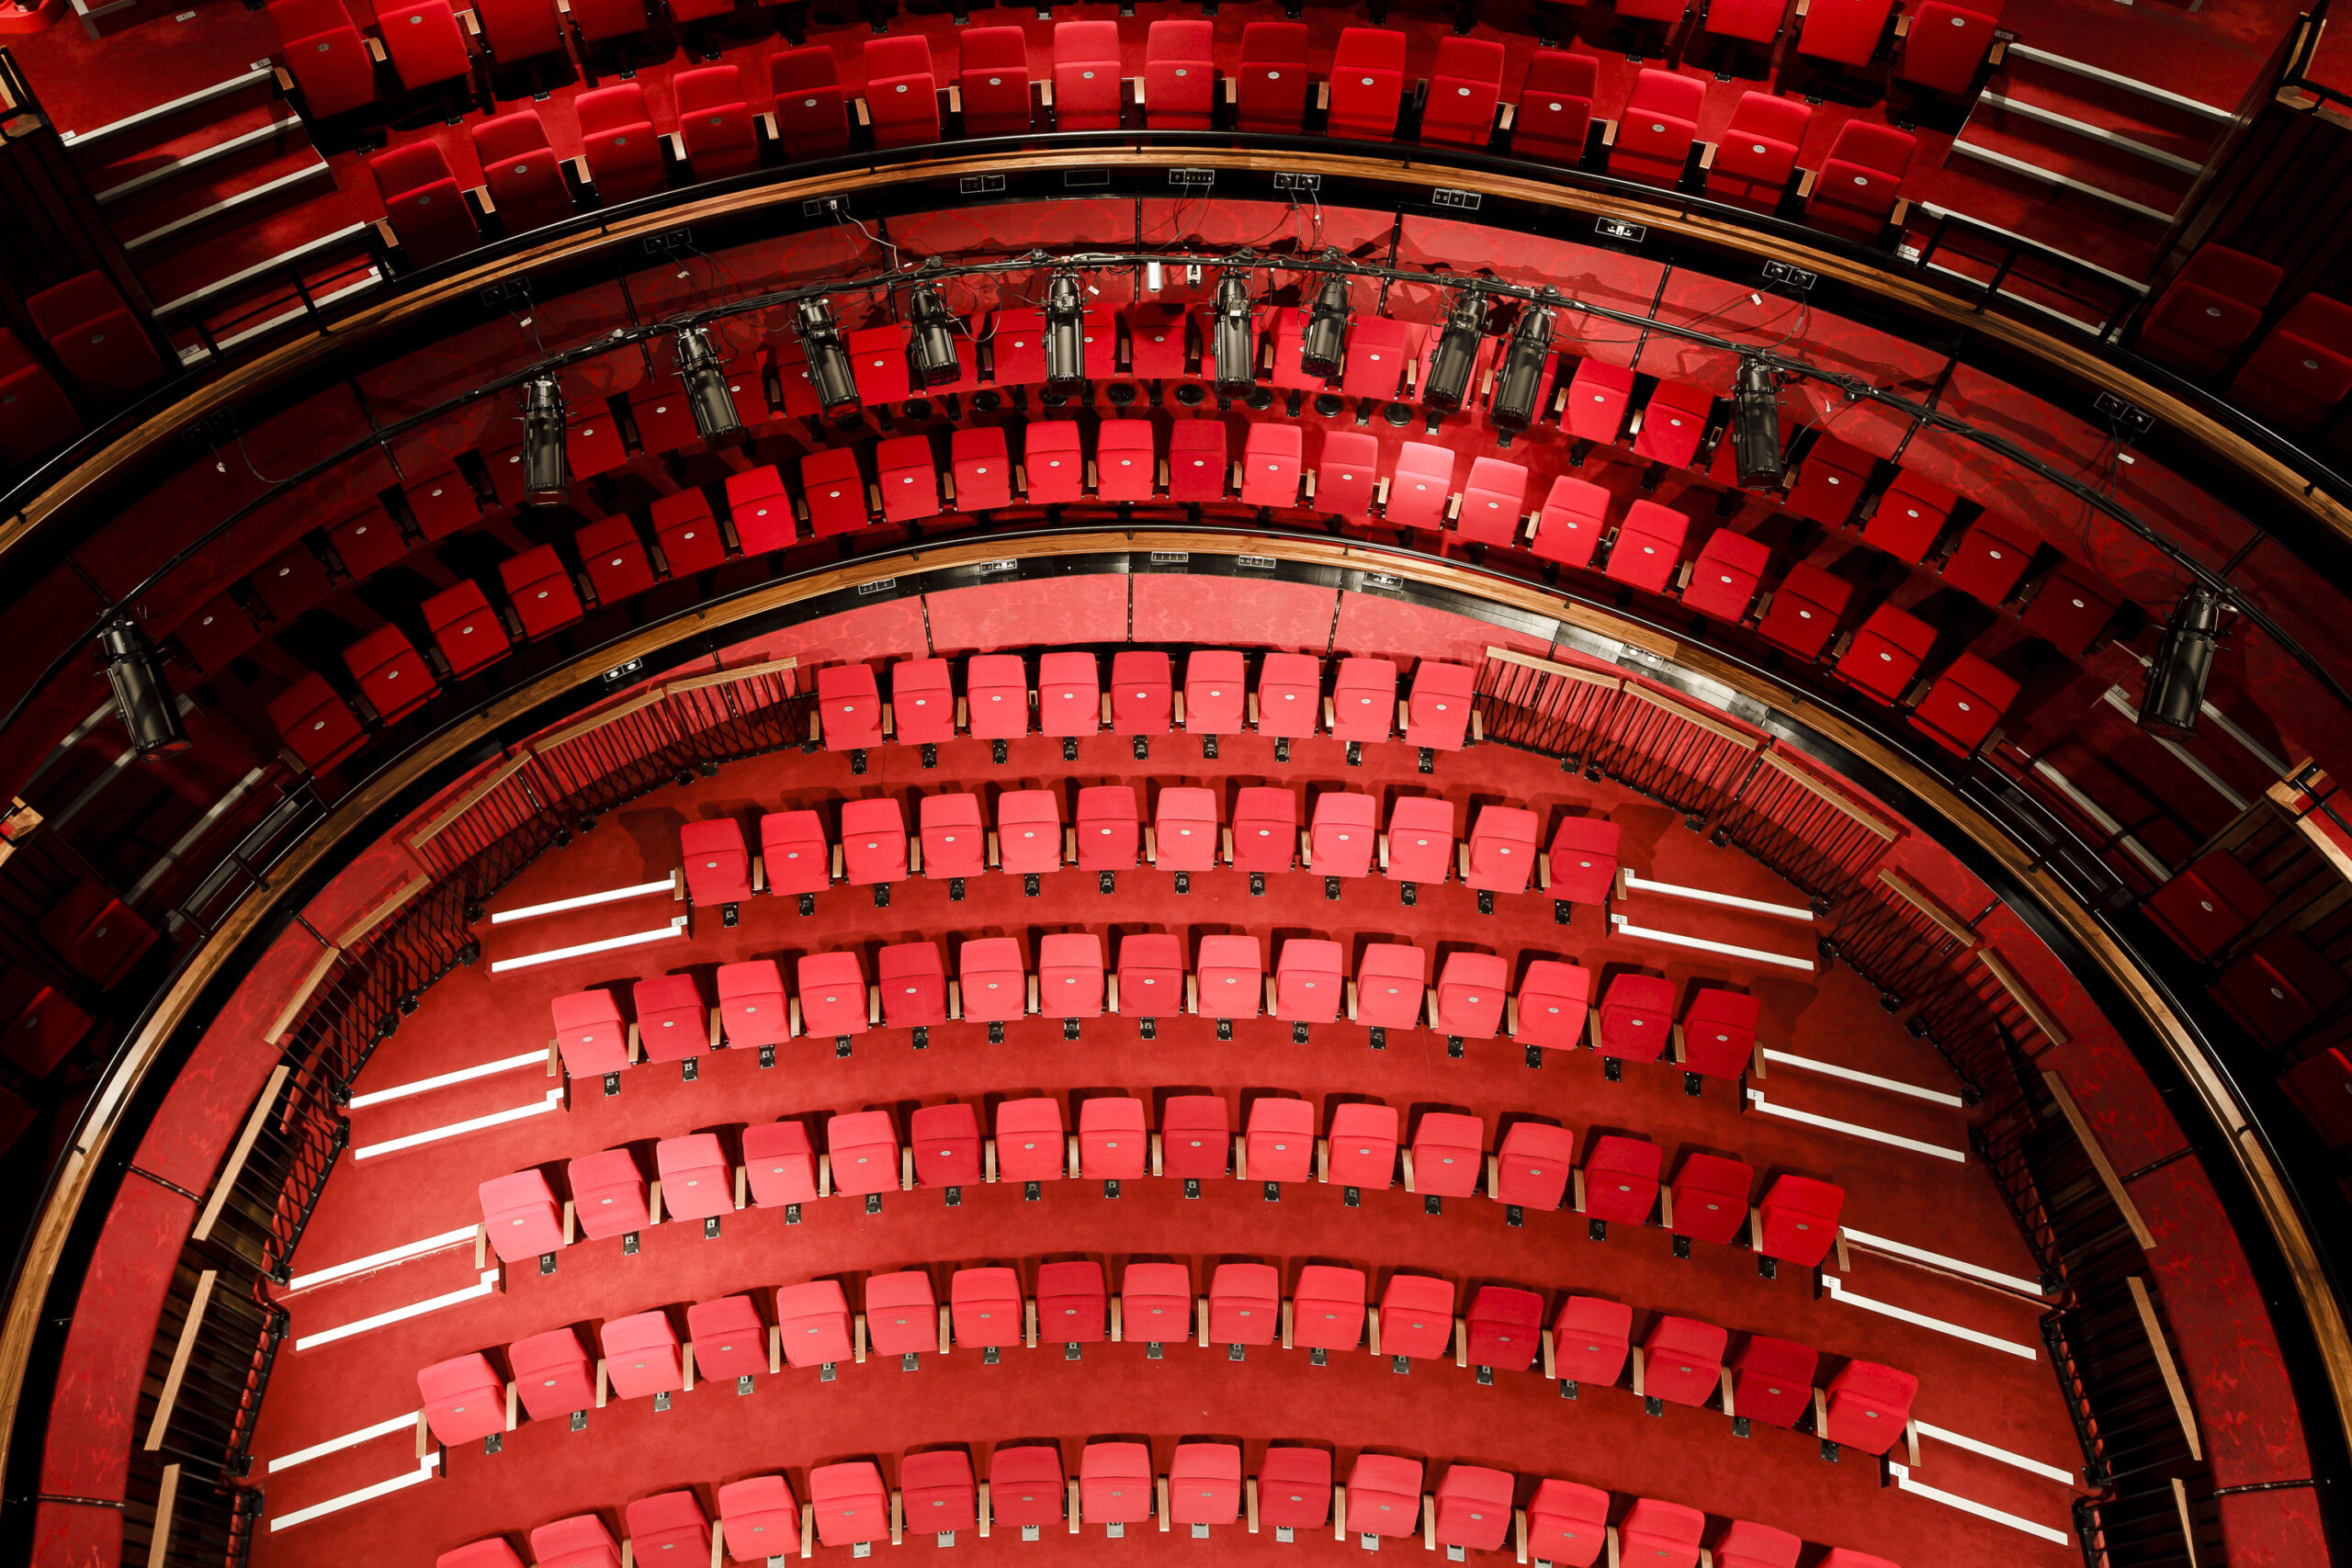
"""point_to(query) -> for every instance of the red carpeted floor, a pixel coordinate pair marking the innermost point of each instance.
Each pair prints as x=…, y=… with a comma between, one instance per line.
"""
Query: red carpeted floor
x=1438, y=1412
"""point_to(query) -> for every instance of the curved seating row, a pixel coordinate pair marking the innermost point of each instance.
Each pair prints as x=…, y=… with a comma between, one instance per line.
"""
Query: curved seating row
x=849, y=1503
x=2205, y=323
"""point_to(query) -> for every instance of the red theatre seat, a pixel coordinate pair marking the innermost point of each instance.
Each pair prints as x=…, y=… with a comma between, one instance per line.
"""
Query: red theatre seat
x=1555, y=115
x=779, y=1163
x=1991, y=556
x=1673, y=422
x=34, y=414
x=467, y=630
x=1204, y=1484
x=1271, y=90
x=1857, y=190
x=849, y=705
x=1636, y=1020
x=1471, y=988
x=1966, y=701
x=946, y=1142
x=1309, y=981
x=1378, y=349
x=760, y=1518
x=580, y=1542
x=1270, y=460
x=1029, y=830
x=751, y=1005
x=1866, y=1405
x=1758, y=153
x=954, y=842
x=1070, y=695
x=1295, y=1488
x=1026, y=1489
x=714, y=122
x=1885, y=654
x=689, y=538
x=617, y=139
x=849, y=1501
x=813, y=1323
x=1265, y=829
x=1568, y=1523
x=1648, y=546
x=1196, y=1137
x=668, y=1522
x=1660, y=121
x=1621, y=1178
x=1124, y=458
x=1418, y=845
x=1771, y=1380
x=874, y=841
x=695, y=1176
x=2209, y=904
x=923, y=701
x=1087, y=85
x=1363, y=1145
x=811, y=119
x=1112, y=1143
x=1179, y=87
x=614, y=557
x=642, y=1356
x=1493, y=499
x=1391, y=979
x=590, y=1034
x=793, y=852
x=1722, y=578
x=833, y=488
x=1473, y=1510
x=728, y=1338
x=1109, y=828
x=610, y=1196
x=994, y=983
x=1845, y=31
x=1504, y=1328
x=421, y=198
x=464, y=1399
x=315, y=724
x=1551, y=1005
x=1279, y=1142
x=902, y=1312
x=1531, y=1164
x=981, y=468
x=325, y=55
x=913, y=979
x=1341, y=835
x=1830, y=482
x=1711, y=1198
x=1215, y=689
x=596, y=20
x=718, y=868
x=1142, y=692
x=1718, y=1032
x=992, y=79
x=521, y=1215
x=2210, y=311
x=1503, y=851
x=936, y=1491
x=1423, y=487
x=1115, y=1484
x=1464, y=85
x=1328, y=1308
x=1591, y=1339
x=877, y=362
x=1364, y=702
x=1384, y=1490
x=863, y=1146
x=1344, y=476
x=1030, y=1140
x=1367, y=83
x=1683, y=1360
x=1797, y=1219
x=520, y=172
x=1448, y=1152
x=1289, y=687
x=1804, y=610
x=94, y=333
x=2322, y=1086
x=1598, y=396
x=540, y=588
x=1231, y=977
x=1437, y=713
x=1946, y=44
x=553, y=1376
x=1575, y=515
x=519, y=29
x=1245, y=1304
x=1156, y=1302
x=1662, y=1535
x=832, y=994
x=672, y=1024
x=901, y=95
x=1186, y=833
x=2302, y=368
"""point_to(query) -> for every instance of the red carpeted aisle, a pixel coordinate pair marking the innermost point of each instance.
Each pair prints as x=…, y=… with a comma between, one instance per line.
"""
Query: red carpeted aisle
x=1437, y=1412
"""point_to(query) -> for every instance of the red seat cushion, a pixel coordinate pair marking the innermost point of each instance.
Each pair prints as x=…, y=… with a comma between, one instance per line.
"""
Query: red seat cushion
x=1846, y=31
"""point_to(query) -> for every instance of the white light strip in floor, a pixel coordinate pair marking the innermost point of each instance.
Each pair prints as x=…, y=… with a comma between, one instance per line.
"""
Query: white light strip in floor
x=585, y=901
x=443, y=1080
x=1707, y=896
x=1837, y=1287
x=2047, y=1472
x=488, y=1282
x=383, y=1259
x=1756, y=1097
x=540, y=1107
x=423, y=1472
x=1936, y=1260
x=677, y=926
x=1852, y=1075
x=348, y=1440
x=1674, y=939
x=1902, y=1474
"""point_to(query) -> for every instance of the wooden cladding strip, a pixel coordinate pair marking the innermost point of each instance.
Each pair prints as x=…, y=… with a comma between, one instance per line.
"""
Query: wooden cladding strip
x=1565, y=671
x=227, y=1179
x=590, y=725
x=728, y=677
x=189, y=1329
x=358, y=932
x=1928, y=904
x=284, y=1022
x=1836, y=800
x=2051, y=1030
x=167, y=1503
x=467, y=801
x=2163, y=1349
x=2188, y=1530
x=2099, y=1162
x=1718, y=727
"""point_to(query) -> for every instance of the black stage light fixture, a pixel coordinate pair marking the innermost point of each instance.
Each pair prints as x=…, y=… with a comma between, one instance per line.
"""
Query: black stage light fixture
x=1522, y=382
x=1457, y=351
x=828, y=367
x=1756, y=427
x=2184, y=661
x=1065, y=330
x=1235, y=350
x=142, y=697
x=707, y=393
x=1321, y=346
x=933, y=338
x=547, y=469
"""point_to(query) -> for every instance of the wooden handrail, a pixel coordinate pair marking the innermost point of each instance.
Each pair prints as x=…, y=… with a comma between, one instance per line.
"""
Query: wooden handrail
x=235, y=1164
x=2081, y=925
x=2099, y=1162
x=192, y=1325
x=2155, y=1330
x=468, y=800
x=1836, y=800
x=167, y=1503
x=1933, y=907
x=2027, y=1003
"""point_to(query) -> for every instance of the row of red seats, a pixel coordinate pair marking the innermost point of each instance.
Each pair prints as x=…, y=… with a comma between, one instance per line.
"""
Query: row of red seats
x=2300, y=371
x=760, y=1518
x=93, y=337
x=1532, y=1166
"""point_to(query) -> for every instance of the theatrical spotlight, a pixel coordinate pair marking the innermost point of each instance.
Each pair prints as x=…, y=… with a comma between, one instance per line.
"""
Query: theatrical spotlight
x=934, y=336
x=141, y=699
x=2184, y=660
x=1321, y=346
x=1756, y=427
x=707, y=390
x=828, y=367
x=1457, y=353
x=547, y=469
x=1515, y=406
x=1235, y=346
x=1065, y=330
